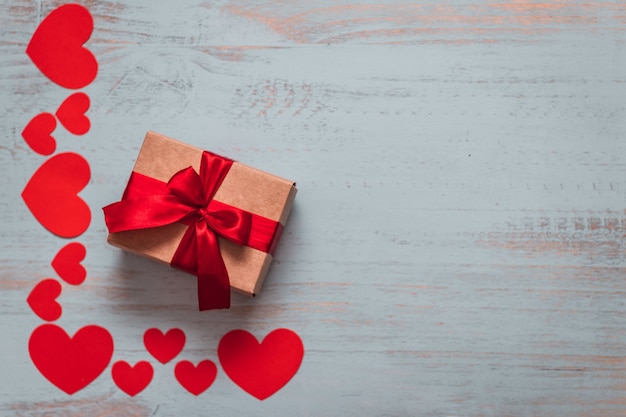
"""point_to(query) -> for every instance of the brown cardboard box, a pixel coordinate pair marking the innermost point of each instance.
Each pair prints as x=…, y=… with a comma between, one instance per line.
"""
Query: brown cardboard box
x=244, y=187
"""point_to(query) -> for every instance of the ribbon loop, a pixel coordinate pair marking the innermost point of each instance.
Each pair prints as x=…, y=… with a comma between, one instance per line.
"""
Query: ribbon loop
x=187, y=185
x=232, y=225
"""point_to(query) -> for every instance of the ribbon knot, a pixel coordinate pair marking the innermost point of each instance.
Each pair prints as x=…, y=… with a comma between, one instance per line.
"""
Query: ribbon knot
x=203, y=214
x=188, y=198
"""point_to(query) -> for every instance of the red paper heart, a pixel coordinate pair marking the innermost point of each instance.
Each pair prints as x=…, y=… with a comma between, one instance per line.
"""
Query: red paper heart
x=66, y=263
x=164, y=347
x=38, y=133
x=56, y=47
x=196, y=379
x=42, y=299
x=132, y=379
x=70, y=363
x=71, y=113
x=260, y=369
x=51, y=194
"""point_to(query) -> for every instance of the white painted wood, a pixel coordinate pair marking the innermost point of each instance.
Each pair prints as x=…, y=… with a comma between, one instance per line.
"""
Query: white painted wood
x=457, y=243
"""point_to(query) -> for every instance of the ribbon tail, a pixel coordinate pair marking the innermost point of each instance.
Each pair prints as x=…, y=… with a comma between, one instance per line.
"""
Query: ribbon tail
x=199, y=253
x=213, y=281
x=214, y=288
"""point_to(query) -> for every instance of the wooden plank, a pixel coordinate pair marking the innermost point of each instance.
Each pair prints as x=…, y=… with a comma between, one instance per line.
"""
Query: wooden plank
x=456, y=246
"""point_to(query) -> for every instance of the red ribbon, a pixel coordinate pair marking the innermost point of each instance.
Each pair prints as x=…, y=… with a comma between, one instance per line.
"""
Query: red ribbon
x=188, y=198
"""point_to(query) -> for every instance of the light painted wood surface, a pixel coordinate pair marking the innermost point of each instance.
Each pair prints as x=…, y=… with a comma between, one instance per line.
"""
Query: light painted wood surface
x=457, y=243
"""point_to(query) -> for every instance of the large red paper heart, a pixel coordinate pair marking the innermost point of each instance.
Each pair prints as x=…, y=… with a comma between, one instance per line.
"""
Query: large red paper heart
x=70, y=363
x=132, y=379
x=164, y=347
x=196, y=379
x=260, y=369
x=56, y=47
x=42, y=299
x=38, y=134
x=51, y=194
x=66, y=263
x=71, y=113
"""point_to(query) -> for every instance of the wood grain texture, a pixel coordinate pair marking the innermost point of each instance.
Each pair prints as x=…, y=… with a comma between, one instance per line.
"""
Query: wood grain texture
x=457, y=243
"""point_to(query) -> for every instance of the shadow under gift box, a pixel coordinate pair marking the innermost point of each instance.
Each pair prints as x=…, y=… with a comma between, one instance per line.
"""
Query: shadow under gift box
x=243, y=187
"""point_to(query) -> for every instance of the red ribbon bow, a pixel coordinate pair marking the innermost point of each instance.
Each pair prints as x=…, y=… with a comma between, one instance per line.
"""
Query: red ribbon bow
x=188, y=198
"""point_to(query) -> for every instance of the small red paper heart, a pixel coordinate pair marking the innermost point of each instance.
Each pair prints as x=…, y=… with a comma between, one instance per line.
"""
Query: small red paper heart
x=164, y=347
x=66, y=263
x=196, y=379
x=71, y=113
x=261, y=369
x=70, y=363
x=132, y=379
x=38, y=134
x=42, y=299
x=56, y=47
x=51, y=194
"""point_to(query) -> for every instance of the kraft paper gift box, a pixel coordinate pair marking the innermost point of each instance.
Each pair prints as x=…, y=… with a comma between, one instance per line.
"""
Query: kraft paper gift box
x=266, y=197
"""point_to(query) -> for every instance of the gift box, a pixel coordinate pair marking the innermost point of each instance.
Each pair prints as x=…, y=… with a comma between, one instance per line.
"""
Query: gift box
x=202, y=213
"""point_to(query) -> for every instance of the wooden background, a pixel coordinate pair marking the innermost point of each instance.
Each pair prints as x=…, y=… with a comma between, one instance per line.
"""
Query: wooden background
x=457, y=243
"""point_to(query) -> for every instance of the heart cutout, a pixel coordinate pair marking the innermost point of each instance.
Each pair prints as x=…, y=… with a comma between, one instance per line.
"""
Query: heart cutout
x=71, y=113
x=38, y=134
x=164, y=347
x=51, y=194
x=56, y=47
x=70, y=363
x=260, y=369
x=42, y=299
x=66, y=263
x=132, y=379
x=195, y=379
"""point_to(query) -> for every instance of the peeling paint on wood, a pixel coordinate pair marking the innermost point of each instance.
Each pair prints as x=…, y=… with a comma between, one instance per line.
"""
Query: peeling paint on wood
x=457, y=243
